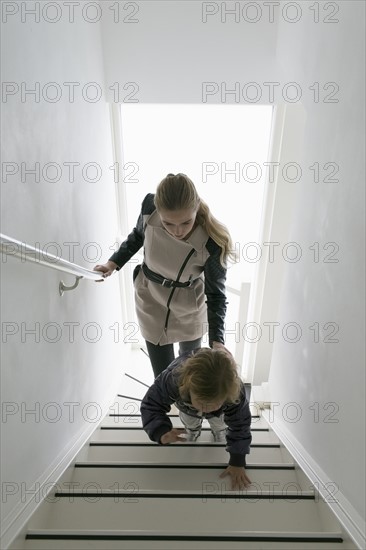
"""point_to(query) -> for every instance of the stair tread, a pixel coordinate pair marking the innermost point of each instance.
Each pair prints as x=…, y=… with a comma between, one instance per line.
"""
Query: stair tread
x=176, y=479
x=180, y=545
x=137, y=435
x=130, y=421
x=182, y=453
x=129, y=403
x=177, y=516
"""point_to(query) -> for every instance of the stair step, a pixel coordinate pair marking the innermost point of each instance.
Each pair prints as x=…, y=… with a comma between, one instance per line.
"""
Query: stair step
x=178, y=480
x=130, y=404
x=181, y=453
x=137, y=515
x=106, y=544
x=127, y=421
x=110, y=434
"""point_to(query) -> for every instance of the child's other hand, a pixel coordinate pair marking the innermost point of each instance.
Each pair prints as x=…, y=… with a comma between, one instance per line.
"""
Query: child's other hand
x=239, y=478
x=174, y=435
x=107, y=269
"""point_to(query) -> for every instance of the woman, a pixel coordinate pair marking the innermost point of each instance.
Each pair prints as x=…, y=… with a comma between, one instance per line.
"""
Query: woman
x=182, y=241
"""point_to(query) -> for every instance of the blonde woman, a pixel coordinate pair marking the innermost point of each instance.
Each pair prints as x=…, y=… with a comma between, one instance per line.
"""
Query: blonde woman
x=180, y=286
x=202, y=384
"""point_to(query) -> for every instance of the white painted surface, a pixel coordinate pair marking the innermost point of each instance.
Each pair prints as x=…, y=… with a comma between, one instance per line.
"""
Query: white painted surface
x=38, y=374
x=179, y=480
x=328, y=490
x=326, y=381
x=170, y=51
x=141, y=436
x=134, y=422
x=190, y=454
x=181, y=516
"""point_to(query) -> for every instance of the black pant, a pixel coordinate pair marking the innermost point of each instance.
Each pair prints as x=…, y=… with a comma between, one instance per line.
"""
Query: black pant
x=162, y=356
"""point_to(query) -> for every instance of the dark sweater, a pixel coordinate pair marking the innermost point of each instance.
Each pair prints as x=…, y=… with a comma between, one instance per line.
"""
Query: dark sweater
x=164, y=392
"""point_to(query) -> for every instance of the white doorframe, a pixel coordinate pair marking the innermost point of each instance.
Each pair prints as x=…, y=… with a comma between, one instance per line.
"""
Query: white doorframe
x=125, y=278
x=285, y=146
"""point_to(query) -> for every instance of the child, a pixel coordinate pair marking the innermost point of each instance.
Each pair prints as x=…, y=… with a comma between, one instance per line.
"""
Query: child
x=180, y=286
x=202, y=383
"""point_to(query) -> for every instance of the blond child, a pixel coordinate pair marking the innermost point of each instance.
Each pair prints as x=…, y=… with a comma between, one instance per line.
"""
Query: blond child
x=203, y=383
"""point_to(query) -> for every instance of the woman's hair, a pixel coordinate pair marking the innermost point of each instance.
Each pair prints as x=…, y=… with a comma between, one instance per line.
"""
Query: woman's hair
x=211, y=375
x=177, y=192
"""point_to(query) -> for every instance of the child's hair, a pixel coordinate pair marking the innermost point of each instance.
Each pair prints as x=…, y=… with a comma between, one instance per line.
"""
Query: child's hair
x=211, y=375
x=177, y=192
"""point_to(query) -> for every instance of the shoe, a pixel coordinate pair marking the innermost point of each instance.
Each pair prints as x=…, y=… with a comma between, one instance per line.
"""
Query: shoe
x=192, y=435
x=219, y=437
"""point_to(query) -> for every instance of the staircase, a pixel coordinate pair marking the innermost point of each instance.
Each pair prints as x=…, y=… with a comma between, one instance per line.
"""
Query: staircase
x=126, y=492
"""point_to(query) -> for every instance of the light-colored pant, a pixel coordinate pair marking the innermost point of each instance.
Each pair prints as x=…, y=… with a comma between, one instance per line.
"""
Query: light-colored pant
x=194, y=423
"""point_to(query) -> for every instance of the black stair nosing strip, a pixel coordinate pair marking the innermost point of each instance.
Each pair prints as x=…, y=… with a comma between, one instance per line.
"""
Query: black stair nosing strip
x=139, y=415
x=178, y=446
x=145, y=352
x=137, y=495
x=137, y=380
x=195, y=538
x=141, y=428
x=137, y=399
x=148, y=465
x=128, y=397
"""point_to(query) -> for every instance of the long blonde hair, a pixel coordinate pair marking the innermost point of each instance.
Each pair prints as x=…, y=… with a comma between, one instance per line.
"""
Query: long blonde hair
x=177, y=192
x=210, y=374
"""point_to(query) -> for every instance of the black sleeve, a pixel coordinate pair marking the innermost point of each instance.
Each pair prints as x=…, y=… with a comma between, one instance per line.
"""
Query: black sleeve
x=135, y=239
x=156, y=405
x=215, y=278
x=238, y=419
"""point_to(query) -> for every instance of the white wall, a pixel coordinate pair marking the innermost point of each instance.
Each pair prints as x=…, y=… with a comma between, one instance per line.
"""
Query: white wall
x=173, y=47
x=36, y=372
x=307, y=372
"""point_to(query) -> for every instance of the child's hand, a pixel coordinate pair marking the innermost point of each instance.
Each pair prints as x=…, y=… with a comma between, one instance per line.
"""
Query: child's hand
x=174, y=435
x=107, y=269
x=239, y=479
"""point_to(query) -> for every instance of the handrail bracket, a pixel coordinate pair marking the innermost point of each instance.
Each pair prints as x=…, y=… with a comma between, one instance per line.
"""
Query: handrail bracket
x=62, y=287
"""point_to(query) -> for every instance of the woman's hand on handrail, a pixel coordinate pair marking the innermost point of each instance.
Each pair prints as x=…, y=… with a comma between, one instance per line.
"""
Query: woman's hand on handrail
x=107, y=269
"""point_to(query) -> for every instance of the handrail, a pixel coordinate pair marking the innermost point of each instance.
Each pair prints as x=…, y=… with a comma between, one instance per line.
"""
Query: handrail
x=26, y=252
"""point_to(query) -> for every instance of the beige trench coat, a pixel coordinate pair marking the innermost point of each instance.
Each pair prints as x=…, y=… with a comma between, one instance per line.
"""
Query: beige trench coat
x=168, y=315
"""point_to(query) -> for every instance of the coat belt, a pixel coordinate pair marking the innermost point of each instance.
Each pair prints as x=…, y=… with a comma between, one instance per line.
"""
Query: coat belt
x=169, y=283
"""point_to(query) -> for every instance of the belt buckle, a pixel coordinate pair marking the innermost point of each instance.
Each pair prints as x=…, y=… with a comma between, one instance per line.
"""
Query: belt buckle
x=167, y=283
x=190, y=281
